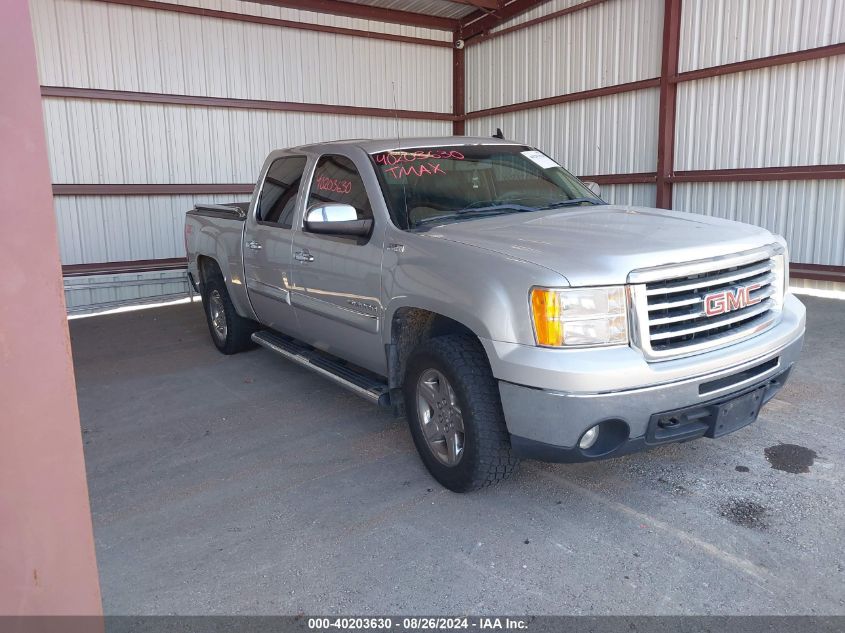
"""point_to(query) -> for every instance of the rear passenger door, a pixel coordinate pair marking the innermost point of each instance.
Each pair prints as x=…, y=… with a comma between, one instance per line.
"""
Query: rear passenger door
x=337, y=279
x=267, y=243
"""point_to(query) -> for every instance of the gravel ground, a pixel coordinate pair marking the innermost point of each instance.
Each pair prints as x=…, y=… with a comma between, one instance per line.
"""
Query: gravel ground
x=246, y=485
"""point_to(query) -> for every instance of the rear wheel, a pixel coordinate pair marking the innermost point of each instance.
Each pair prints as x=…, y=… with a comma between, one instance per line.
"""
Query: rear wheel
x=230, y=332
x=455, y=414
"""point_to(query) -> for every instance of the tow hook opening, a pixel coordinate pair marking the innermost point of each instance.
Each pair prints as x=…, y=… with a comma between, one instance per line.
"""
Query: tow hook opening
x=603, y=438
x=669, y=422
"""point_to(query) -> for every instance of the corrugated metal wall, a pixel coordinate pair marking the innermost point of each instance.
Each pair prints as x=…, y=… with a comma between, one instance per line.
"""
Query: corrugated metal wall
x=715, y=32
x=102, y=292
x=808, y=213
x=576, y=52
x=87, y=44
x=616, y=134
x=116, y=142
x=783, y=116
x=787, y=115
x=125, y=228
x=90, y=44
x=606, y=44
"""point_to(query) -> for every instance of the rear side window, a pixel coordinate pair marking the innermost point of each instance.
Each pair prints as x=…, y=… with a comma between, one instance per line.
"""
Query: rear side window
x=281, y=186
x=336, y=179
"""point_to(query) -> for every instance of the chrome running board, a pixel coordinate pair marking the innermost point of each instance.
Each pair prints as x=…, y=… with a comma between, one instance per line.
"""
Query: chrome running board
x=358, y=381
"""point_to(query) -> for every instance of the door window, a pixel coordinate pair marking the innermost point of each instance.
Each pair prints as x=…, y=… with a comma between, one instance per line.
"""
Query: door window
x=336, y=179
x=278, y=195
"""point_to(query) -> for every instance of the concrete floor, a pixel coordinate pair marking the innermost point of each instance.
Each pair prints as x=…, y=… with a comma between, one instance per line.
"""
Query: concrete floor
x=244, y=484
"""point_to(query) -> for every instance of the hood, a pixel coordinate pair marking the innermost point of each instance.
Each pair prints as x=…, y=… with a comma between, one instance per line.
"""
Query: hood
x=600, y=245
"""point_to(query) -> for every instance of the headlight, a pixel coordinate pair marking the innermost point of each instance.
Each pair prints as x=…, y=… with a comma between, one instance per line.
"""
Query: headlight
x=580, y=316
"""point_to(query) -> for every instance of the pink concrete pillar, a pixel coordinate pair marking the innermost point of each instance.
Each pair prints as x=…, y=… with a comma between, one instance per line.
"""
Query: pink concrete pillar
x=47, y=561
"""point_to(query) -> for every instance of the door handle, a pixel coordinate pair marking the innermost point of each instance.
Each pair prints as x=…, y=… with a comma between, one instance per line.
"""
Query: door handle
x=303, y=256
x=254, y=245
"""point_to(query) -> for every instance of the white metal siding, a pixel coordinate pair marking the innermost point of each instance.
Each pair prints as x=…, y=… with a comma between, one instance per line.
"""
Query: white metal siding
x=616, y=134
x=96, y=229
x=814, y=285
x=610, y=43
x=809, y=213
x=715, y=32
x=89, y=44
x=780, y=116
x=639, y=195
x=110, y=142
x=88, y=293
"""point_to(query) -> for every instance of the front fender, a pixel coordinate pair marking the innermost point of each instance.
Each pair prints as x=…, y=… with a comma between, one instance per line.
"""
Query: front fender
x=483, y=290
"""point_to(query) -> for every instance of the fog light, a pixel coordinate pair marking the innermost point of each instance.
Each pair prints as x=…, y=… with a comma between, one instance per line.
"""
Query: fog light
x=589, y=438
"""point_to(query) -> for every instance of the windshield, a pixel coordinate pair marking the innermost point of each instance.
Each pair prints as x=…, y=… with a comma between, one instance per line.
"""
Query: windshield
x=437, y=185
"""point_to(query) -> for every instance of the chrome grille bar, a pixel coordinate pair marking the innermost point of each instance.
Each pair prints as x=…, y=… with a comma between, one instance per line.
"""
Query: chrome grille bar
x=733, y=335
x=689, y=298
x=713, y=322
x=668, y=302
x=704, y=282
x=687, y=316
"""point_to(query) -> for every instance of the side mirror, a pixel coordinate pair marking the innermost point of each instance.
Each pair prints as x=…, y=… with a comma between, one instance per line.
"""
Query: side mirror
x=336, y=219
x=594, y=187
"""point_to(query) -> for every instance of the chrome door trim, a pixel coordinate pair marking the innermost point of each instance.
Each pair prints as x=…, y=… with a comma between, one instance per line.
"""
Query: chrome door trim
x=347, y=316
x=273, y=292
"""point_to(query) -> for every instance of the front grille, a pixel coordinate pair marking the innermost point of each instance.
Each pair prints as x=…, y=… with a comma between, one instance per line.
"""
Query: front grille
x=672, y=309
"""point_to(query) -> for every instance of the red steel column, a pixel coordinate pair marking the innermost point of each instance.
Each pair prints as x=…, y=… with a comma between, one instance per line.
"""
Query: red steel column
x=668, y=92
x=458, y=89
x=47, y=562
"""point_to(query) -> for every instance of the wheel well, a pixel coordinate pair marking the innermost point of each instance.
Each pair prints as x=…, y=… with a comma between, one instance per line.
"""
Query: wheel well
x=208, y=268
x=409, y=328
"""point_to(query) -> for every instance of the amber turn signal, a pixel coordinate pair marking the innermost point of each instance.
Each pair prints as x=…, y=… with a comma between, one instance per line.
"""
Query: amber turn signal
x=545, y=307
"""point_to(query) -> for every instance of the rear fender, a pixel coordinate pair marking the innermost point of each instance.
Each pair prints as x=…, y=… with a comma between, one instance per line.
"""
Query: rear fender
x=220, y=242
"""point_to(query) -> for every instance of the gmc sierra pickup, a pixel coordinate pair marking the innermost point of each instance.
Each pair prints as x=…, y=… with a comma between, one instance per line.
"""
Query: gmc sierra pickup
x=479, y=289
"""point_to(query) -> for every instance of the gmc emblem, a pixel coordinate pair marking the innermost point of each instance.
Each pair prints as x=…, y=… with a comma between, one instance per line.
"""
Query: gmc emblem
x=730, y=300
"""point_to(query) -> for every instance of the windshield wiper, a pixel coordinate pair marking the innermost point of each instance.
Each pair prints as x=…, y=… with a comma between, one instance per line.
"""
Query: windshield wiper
x=497, y=209
x=572, y=202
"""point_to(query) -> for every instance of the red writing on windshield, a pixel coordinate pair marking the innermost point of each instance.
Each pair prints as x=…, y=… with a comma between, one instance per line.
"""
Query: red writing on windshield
x=330, y=184
x=399, y=156
x=427, y=169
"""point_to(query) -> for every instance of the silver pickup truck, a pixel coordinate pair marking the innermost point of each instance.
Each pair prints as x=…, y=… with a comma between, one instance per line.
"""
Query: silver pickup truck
x=492, y=298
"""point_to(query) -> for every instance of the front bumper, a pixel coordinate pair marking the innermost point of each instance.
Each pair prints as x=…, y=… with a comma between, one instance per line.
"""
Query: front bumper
x=548, y=423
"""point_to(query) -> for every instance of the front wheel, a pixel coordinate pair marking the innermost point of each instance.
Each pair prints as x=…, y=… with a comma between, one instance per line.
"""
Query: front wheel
x=455, y=414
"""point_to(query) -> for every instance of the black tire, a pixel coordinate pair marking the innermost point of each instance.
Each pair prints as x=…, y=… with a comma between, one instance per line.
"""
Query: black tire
x=486, y=457
x=238, y=330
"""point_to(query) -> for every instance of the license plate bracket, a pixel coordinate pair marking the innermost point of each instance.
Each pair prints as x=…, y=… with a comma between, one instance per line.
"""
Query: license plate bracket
x=736, y=413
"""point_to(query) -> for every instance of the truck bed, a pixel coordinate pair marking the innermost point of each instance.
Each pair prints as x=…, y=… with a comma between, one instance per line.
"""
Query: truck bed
x=215, y=231
x=230, y=210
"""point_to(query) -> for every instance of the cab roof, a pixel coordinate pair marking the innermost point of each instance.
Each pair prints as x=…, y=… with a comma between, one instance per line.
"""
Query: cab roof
x=372, y=146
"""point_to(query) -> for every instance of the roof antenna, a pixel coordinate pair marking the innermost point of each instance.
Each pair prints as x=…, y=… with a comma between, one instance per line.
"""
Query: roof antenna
x=396, y=114
x=499, y=134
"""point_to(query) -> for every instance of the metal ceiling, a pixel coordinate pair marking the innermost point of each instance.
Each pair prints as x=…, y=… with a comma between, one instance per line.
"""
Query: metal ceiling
x=439, y=8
